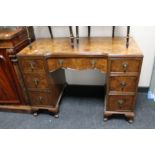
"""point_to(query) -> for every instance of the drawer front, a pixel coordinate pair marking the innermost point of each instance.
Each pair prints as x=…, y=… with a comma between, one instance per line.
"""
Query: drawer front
x=120, y=103
x=123, y=83
x=36, y=80
x=32, y=66
x=78, y=63
x=125, y=65
x=40, y=98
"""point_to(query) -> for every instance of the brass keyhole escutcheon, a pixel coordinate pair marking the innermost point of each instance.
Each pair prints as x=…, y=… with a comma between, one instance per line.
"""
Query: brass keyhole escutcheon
x=120, y=103
x=93, y=63
x=61, y=61
x=36, y=82
x=125, y=66
x=123, y=84
x=32, y=66
x=40, y=99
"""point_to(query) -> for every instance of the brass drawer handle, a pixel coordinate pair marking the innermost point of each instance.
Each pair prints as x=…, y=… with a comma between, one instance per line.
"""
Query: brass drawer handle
x=122, y=84
x=120, y=102
x=32, y=65
x=93, y=63
x=60, y=61
x=40, y=99
x=125, y=66
x=36, y=82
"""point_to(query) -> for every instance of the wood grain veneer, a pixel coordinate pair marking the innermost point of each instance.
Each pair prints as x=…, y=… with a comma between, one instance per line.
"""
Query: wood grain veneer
x=109, y=55
x=97, y=46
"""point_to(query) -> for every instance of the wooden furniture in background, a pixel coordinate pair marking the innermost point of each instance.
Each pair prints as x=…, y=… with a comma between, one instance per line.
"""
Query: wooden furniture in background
x=113, y=33
x=30, y=33
x=44, y=81
x=12, y=40
x=70, y=31
x=50, y=31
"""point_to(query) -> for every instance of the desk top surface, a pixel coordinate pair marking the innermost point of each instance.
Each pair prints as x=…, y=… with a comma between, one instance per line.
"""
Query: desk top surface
x=94, y=46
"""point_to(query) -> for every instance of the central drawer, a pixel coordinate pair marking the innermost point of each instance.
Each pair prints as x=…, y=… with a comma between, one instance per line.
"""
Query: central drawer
x=123, y=83
x=78, y=63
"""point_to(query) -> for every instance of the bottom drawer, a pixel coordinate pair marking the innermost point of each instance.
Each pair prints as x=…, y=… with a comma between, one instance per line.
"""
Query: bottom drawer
x=120, y=103
x=41, y=98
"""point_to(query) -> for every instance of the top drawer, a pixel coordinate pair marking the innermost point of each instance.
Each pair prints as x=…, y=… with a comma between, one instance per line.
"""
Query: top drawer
x=32, y=66
x=125, y=65
x=78, y=63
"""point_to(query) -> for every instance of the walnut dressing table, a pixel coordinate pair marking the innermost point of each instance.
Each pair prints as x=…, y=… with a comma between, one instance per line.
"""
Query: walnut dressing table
x=42, y=63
